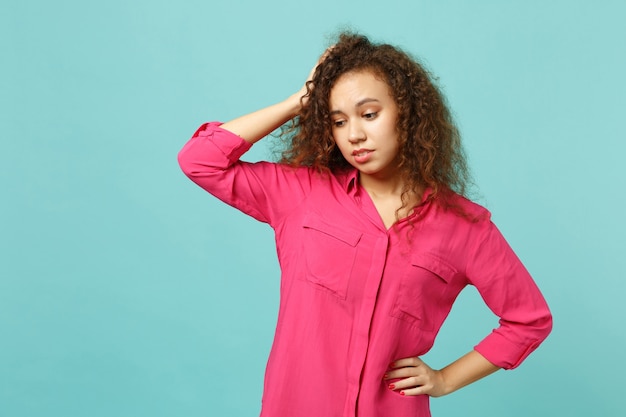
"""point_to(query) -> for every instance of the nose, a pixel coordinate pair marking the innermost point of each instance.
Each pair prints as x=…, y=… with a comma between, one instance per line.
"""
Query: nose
x=356, y=133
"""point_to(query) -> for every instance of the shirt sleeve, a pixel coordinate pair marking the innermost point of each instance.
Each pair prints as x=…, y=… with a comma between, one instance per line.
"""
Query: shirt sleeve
x=510, y=292
x=263, y=190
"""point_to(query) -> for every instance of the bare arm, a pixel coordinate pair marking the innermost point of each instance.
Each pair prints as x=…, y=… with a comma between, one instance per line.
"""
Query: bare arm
x=255, y=126
x=414, y=377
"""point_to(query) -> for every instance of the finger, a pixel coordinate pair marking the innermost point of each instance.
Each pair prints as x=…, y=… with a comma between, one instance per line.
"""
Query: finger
x=410, y=382
x=319, y=61
x=412, y=386
x=403, y=372
x=421, y=390
x=405, y=362
x=327, y=52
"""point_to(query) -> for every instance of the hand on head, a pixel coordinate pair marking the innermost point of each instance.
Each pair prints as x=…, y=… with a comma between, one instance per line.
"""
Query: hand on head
x=303, y=94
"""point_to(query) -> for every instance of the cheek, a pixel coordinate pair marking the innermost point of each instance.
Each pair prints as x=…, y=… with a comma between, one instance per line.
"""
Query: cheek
x=394, y=150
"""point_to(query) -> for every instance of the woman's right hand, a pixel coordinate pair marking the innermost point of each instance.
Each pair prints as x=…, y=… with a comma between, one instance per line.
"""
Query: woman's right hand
x=302, y=95
x=256, y=125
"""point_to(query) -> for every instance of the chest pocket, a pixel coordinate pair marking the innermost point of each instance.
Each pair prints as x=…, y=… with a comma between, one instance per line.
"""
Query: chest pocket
x=423, y=298
x=329, y=252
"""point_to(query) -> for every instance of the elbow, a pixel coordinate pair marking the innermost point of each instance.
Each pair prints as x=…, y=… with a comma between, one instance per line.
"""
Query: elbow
x=202, y=166
x=540, y=326
x=510, y=344
x=547, y=324
x=193, y=155
x=185, y=163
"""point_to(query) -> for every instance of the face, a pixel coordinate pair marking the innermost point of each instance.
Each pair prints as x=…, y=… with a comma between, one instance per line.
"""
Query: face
x=364, y=116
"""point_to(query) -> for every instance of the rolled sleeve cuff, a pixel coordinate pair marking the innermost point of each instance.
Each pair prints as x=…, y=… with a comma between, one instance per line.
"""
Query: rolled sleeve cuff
x=231, y=145
x=502, y=352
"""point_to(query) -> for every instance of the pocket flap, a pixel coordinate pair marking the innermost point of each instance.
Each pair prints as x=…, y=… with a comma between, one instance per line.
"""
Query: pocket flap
x=434, y=264
x=312, y=221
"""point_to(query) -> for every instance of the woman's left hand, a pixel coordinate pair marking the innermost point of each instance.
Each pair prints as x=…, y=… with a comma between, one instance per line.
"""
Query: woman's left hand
x=413, y=377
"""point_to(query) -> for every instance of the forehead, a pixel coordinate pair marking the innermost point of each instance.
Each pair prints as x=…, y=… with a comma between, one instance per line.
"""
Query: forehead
x=352, y=87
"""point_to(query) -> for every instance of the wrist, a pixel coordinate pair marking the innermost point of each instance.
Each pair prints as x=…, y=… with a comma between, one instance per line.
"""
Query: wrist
x=294, y=104
x=445, y=387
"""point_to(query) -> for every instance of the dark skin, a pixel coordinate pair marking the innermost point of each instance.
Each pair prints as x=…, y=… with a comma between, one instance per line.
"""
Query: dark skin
x=411, y=375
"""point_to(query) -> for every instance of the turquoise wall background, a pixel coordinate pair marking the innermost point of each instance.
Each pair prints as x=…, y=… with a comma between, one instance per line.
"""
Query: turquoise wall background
x=127, y=291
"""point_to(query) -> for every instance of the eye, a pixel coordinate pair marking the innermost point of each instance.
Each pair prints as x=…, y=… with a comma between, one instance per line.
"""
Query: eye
x=338, y=123
x=370, y=115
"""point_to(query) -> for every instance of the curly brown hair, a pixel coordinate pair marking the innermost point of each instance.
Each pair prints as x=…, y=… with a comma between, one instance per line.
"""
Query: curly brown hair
x=430, y=153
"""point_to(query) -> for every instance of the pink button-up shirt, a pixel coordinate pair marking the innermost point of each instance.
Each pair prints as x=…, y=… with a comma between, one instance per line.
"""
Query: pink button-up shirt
x=355, y=296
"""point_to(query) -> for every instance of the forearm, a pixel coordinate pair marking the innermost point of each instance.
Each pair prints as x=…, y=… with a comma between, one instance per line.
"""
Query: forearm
x=465, y=370
x=254, y=126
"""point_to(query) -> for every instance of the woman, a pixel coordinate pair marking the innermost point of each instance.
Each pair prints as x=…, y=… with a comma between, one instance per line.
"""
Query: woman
x=374, y=237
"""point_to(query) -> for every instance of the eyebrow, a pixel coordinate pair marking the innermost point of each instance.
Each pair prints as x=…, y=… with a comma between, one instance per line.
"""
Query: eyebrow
x=359, y=104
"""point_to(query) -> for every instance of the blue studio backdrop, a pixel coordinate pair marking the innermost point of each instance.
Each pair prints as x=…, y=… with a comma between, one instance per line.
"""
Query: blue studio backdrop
x=125, y=290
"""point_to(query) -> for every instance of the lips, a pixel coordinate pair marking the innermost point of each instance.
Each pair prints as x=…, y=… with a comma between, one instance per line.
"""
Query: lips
x=361, y=152
x=361, y=156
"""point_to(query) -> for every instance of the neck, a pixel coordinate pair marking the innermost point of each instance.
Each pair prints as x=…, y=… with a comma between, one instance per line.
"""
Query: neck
x=382, y=187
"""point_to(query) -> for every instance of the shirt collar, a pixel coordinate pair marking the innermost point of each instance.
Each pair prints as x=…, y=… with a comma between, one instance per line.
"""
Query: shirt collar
x=351, y=185
x=351, y=181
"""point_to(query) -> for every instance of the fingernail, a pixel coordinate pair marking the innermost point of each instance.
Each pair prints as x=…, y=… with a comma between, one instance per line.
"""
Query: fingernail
x=385, y=376
x=392, y=386
x=402, y=393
